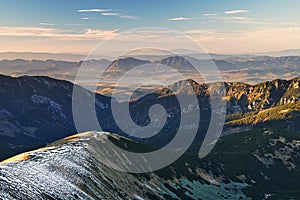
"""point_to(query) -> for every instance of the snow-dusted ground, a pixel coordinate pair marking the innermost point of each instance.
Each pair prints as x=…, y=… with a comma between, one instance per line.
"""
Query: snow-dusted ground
x=68, y=170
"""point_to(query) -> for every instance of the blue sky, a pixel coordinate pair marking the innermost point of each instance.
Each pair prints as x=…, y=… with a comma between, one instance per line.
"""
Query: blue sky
x=211, y=22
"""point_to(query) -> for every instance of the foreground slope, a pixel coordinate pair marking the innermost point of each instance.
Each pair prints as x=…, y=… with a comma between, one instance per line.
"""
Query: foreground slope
x=249, y=165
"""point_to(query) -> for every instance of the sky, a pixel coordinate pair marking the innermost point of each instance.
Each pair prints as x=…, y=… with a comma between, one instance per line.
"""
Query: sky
x=78, y=26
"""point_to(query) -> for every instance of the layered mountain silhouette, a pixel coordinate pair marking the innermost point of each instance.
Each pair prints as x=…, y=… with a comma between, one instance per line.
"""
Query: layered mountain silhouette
x=125, y=64
x=253, y=69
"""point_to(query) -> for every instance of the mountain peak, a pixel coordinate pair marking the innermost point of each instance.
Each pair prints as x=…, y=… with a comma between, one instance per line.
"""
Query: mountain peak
x=125, y=64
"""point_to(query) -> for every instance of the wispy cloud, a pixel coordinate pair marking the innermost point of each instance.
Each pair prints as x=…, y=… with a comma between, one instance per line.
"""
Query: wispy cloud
x=120, y=15
x=46, y=24
x=87, y=34
x=124, y=16
x=107, y=12
x=240, y=18
x=87, y=18
x=30, y=31
x=261, y=39
x=180, y=19
x=97, y=10
x=244, y=20
x=110, y=14
x=231, y=12
x=210, y=14
x=219, y=18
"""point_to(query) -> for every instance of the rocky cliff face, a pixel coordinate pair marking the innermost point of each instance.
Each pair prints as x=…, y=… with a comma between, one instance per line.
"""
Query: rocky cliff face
x=243, y=97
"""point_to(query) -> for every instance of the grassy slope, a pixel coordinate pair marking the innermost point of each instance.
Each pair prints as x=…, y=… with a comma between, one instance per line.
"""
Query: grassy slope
x=236, y=154
x=286, y=117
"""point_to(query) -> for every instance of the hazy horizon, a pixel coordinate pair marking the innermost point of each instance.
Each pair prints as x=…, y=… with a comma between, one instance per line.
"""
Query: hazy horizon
x=76, y=57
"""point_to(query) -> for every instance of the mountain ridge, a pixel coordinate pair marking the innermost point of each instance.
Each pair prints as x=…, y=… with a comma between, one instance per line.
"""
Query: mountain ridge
x=34, y=108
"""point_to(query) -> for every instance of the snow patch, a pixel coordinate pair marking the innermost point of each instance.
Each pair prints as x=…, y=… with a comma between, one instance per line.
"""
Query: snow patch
x=4, y=114
x=101, y=105
x=52, y=105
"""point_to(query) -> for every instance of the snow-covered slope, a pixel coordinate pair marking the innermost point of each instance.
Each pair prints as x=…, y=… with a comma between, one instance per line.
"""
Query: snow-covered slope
x=248, y=165
x=68, y=170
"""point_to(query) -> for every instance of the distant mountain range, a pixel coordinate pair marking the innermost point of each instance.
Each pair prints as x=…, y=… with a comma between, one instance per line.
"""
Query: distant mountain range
x=251, y=70
x=289, y=52
x=41, y=56
x=283, y=53
x=148, y=56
